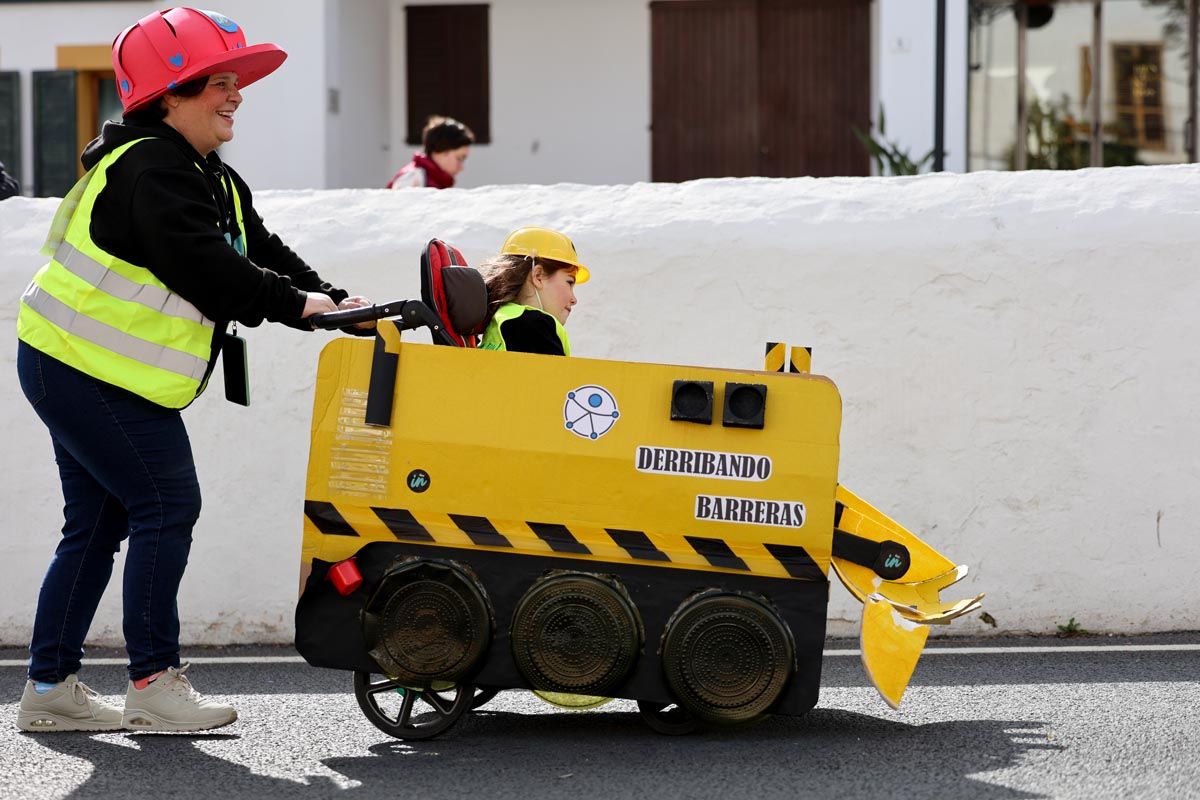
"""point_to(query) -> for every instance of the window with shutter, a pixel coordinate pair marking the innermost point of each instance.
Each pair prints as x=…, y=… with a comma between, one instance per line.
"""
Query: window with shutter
x=55, y=155
x=10, y=123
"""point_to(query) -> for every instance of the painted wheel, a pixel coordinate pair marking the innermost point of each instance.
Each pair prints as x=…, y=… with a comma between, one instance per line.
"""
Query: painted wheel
x=408, y=713
x=576, y=634
x=428, y=621
x=727, y=657
x=669, y=720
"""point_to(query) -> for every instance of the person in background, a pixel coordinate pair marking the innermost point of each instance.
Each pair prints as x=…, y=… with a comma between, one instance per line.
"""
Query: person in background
x=8, y=184
x=531, y=291
x=152, y=253
x=447, y=143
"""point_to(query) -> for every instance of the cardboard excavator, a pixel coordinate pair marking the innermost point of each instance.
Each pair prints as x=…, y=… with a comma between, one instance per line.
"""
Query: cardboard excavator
x=477, y=521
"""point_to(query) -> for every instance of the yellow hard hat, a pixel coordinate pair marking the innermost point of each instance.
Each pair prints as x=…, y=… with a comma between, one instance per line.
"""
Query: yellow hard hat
x=545, y=243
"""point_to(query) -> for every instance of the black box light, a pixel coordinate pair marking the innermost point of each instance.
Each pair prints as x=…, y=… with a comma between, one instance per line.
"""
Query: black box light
x=745, y=405
x=692, y=401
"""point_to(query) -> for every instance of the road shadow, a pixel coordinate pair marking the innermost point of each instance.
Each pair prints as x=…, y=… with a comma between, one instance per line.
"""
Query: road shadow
x=498, y=755
x=826, y=753
x=155, y=766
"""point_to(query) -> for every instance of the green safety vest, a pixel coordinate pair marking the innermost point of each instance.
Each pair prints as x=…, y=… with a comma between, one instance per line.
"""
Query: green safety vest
x=111, y=319
x=493, y=339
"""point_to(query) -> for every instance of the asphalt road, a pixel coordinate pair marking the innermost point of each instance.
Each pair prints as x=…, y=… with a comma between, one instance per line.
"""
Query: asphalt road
x=981, y=725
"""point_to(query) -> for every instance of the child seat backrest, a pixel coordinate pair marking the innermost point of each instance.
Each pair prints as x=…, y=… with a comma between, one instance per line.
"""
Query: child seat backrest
x=455, y=292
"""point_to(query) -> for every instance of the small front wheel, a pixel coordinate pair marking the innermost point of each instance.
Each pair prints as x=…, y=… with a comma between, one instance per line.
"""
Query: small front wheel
x=668, y=719
x=483, y=694
x=408, y=713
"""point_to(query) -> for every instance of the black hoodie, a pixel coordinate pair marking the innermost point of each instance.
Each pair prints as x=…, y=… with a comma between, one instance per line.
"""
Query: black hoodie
x=160, y=212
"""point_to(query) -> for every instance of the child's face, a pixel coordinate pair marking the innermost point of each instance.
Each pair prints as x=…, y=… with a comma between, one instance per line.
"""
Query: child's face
x=557, y=291
x=452, y=161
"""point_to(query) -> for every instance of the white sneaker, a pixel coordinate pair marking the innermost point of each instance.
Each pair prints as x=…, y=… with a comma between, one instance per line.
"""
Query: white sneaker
x=169, y=703
x=69, y=706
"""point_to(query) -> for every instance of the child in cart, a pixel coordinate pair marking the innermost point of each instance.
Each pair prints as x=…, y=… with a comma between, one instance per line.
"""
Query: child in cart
x=531, y=291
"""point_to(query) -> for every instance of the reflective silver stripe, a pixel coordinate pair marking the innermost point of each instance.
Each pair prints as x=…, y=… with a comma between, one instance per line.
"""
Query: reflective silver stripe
x=110, y=338
x=113, y=283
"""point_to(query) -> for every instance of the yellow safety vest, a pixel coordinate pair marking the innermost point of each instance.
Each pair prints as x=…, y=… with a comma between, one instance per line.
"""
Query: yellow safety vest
x=111, y=319
x=493, y=339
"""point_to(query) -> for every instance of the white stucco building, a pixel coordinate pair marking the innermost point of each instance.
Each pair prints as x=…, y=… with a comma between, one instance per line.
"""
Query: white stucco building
x=569, y=85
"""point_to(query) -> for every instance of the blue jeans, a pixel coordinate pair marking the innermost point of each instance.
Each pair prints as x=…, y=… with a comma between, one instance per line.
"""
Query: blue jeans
x=127, y=472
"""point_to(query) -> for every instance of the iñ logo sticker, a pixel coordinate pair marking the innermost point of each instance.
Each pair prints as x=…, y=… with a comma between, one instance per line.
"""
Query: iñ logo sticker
x=418, y=480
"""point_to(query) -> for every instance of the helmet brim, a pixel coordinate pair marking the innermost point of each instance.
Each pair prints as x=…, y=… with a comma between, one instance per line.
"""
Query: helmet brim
x=582, y=273
x=250, y=63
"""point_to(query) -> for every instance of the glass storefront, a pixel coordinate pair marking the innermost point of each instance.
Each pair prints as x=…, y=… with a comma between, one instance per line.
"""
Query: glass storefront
x=1143, y=83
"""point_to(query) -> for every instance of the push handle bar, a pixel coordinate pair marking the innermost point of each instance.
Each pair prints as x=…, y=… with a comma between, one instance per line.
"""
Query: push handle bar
x=412, y=313
x=332, y=320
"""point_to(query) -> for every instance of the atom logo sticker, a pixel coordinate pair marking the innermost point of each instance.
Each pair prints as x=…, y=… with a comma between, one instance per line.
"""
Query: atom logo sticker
x=590, y=411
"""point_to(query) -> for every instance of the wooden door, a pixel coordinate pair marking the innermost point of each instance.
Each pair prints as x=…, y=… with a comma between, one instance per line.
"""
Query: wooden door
x=759, y=87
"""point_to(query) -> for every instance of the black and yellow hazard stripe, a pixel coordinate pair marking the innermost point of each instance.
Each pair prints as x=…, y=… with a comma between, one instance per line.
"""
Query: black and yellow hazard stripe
x=779, y=358
x=801, y=359
x=534, y=537
x=776, y=357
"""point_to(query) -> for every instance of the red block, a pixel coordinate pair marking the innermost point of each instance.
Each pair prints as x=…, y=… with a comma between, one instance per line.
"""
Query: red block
x=345, y=576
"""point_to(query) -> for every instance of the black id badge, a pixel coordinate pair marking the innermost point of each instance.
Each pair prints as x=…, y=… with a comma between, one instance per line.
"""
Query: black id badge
x=236, y=368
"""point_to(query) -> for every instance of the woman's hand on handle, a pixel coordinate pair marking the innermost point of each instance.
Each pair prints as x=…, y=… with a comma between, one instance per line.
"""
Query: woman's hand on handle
x=317, y=303
x=357, y=301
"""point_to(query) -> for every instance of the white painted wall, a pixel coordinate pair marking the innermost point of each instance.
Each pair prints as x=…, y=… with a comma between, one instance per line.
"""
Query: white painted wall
x=281, y=134
x=280, y=139
x=1014, y=352
x=358, y=133
x=905, y=69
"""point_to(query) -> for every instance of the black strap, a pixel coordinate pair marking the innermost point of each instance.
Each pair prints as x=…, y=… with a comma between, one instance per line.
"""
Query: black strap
x=382, y=387
x=889, y=559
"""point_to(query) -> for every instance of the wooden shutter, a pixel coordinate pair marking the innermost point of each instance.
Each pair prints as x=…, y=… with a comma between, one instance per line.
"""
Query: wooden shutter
x=10, y=123
x=759, y=87
x=814, y=86
x=447, y=57
x=54, y=148
x=703, y=89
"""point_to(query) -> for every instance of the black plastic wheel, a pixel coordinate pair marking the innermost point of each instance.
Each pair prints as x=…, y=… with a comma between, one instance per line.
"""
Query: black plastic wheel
x=669, y=720
x=576, y=633
x=427, y=622
x=407, y=713
x=727, y=657
x=483, y=695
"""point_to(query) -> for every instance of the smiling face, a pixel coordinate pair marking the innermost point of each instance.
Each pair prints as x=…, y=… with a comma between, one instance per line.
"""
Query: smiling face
x=556, y=289
x=206, y=120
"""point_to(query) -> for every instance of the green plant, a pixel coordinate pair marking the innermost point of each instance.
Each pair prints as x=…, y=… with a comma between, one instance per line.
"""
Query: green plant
x=1072, y=628
x=1057, y=140
x=888, y=157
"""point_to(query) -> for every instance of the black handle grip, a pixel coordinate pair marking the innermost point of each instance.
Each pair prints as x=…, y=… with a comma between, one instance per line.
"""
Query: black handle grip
x=352, y=316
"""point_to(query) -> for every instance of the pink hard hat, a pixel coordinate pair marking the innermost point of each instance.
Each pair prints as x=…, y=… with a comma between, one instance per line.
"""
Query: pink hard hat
x=167, y=48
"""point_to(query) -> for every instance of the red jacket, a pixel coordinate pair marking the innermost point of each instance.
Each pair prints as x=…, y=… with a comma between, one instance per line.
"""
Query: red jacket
x=434, y=175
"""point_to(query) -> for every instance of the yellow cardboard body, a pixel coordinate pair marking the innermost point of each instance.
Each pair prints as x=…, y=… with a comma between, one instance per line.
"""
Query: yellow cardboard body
x=488, y=429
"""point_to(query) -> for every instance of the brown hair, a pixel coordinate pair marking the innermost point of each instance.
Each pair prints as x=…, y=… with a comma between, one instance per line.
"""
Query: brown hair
x=157, y=110
x=504, y=277
x=445, y=133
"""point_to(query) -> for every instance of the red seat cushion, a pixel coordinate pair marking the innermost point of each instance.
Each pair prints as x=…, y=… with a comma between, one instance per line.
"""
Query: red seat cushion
x=455, y=292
